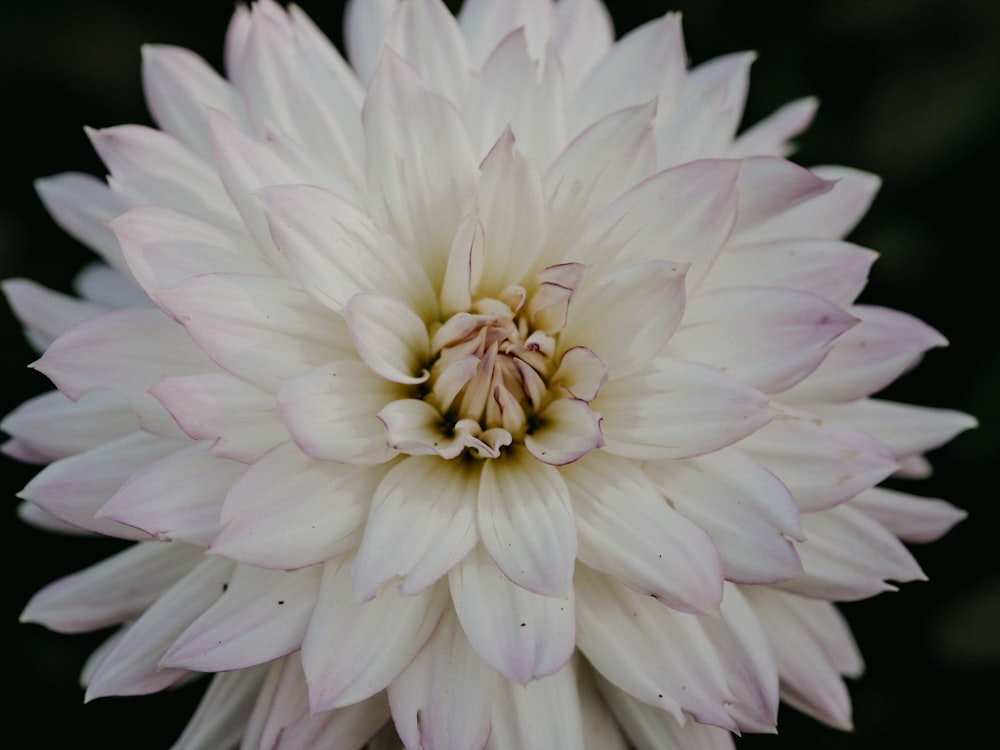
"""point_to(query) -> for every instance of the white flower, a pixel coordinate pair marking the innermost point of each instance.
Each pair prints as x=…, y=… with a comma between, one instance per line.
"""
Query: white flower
x=516, y=401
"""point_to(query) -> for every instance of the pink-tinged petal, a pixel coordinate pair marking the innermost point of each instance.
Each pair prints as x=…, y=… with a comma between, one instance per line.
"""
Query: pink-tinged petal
x=751, y=672
x=104, y=285
x=223, y=711
x=32, y=515
x=848, y=556
x=422, y=492
x=649, y=727
x=420, y=167
x=545, y=713
x=770, y=187
x=289, y=511
x=522, y=635
x=583, y=35
x=236, y=39
x=336, y=251
x=513, y=229
x=746, y=510
x=262, y=615
x=46, y=314
x=164, y=247
x=115, y=590
x=683, y=214
x=153, y=501
x=548, y=308
x=646, y=64
x=73, y=489
x=331, y=413
x=353, y=650
x=522, y=93
x=415, y=427
x=678, y=410
x=832, y=269
x=772, y=135
x=240, y=419
x=445, y=66
x=822, y=462
x=581, y=373
x=179, y=85
x=907, y=430
x=150, y=167
x=282, y=715
x=911, y=518
x=50, y=426
x=767, y=337
x=131, y=666
x=629, y=531
x=321, y=53
x=526, y=523
x=865, y=359
x=567, y=429
x=365, y=24
x=484, y=24
x=125, y=351
x=443, y=699
x=627, y=316
x=622, y=632
x=464, y=267
x=81, y=204
x=390, y=338
x=813, y=648
x=263, y=329
x=830, y=214
x=596, y=167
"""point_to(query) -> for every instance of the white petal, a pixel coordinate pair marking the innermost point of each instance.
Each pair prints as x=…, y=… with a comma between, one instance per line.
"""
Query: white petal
x=647, y=63
x=331, y=413
x=443, y=699
x=766, y=337
x=46, y=314
x=126, y=351
x=73, y=489
x=769, y=189
x=683, y=214
x=263, y=329
x=581, y=372
x=628, y=530
x=154, y=501
x=526, y=523
x=566, y=430
x=336, y=251
x=868, y=357
x=422, y=492
x=627, y=316
x=583, y=35
x=353, y=650
x=289, y=511
x=223, y=711
x=81, y=204
x=542, y=714
x=179, y=85
x=678, y=410
x=822, y=462
x=131, y=667
x=911, y=518
x=240, y=419
x=445, y=65
x=771, y=135
x=390, y=338
x=420, y=167
x=520, y=634
x=261, y=615
x=51, y=426
x=365, y=24
x=484, y=23
x=745, y=509
x=622, y=633
x=464, y=267
x=848, y=556
x=115, y=590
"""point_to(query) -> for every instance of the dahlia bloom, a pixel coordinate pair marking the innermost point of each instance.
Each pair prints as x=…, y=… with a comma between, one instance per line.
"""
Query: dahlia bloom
x=489, y=391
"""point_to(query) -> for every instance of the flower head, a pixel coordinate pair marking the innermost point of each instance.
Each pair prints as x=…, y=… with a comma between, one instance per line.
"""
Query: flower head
x=490, y=391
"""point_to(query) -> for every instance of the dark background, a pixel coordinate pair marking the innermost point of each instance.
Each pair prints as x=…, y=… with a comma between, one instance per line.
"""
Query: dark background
x=908, y=90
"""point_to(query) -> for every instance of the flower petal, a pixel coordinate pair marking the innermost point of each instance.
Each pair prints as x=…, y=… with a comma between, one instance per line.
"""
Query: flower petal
x=81, y=205
x=526, y=523
x=390, y=338
x=520, y=634
x=628, y=531
x=365, y=24
x=544, y=713
x=443, y=507
x=911, y=518
x=567, y=429
x=769, y=188
x=223, y=710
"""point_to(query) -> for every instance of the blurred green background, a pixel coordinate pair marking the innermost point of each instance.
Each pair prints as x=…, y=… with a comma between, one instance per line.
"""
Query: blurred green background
x=909, y=89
